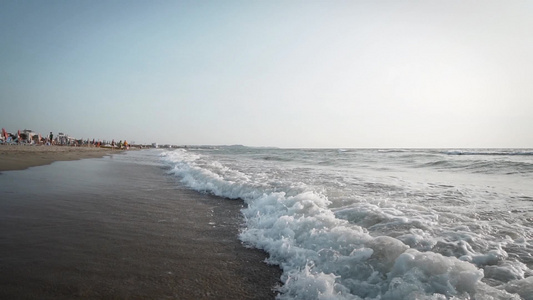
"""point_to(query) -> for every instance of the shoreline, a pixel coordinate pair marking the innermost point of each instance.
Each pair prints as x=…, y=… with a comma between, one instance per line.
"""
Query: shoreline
x=21, y=157
x=110, y=229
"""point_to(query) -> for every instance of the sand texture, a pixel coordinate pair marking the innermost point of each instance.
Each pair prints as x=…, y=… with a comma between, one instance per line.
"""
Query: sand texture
x=20, y=157
x=107, y=229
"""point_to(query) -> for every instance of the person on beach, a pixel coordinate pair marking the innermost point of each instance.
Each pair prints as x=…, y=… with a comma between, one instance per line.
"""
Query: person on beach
x=113, y=144
x=4, y=135
x=51, y=138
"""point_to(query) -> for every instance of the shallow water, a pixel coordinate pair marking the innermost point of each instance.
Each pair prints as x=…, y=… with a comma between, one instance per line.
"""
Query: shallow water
x=379, y=224
x=120, y=228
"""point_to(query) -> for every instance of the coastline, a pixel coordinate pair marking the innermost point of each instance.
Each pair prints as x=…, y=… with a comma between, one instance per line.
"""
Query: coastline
x=20, y=157
x=109, y=229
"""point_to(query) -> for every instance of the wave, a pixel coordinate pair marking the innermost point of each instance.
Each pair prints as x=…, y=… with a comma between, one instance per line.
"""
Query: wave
x=510, y=152
x=504, y=167
x=323, y=256
x=276, y=158
x=392, y=150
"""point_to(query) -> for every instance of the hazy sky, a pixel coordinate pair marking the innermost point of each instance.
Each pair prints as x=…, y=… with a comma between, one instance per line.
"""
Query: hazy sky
x=271, y=73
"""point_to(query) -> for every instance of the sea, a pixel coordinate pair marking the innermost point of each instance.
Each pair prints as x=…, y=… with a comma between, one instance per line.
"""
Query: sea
x=377, y=223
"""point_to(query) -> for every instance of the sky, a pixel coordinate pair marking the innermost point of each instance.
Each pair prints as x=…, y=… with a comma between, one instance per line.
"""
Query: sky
x=292, y=74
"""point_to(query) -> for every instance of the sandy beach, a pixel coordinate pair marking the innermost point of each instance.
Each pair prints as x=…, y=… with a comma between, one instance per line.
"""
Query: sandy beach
x=20, y=157
x=107, y=228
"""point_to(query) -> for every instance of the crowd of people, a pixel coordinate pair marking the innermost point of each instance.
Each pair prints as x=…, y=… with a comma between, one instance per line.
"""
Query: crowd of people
x=28, y=137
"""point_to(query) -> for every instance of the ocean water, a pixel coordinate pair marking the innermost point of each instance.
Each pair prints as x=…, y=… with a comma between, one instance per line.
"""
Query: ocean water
x=379, y=224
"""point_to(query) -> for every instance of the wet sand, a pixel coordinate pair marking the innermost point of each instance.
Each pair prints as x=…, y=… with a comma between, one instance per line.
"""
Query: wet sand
x=20, y=157
x=111, y=229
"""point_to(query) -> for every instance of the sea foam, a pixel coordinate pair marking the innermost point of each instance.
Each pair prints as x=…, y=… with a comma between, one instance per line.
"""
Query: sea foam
x=324, y=256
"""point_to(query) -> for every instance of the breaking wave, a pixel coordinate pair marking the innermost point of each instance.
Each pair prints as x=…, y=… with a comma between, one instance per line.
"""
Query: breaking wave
x=360, y=250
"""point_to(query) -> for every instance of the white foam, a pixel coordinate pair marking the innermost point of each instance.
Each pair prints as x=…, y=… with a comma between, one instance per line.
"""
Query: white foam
x=326, y=254
x=523, y=287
